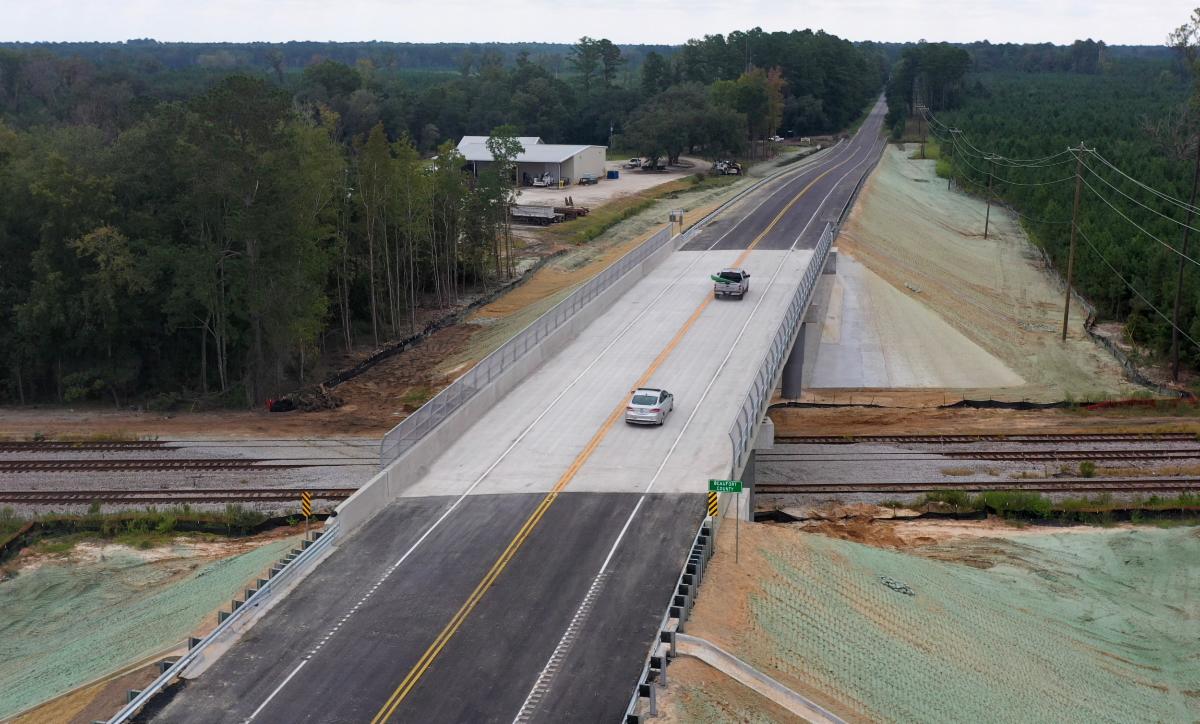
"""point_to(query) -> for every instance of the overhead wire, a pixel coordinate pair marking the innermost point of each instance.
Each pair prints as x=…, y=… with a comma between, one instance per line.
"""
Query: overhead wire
x=1009, y=181
x=1000, y=159
x=1135, y=224
x=1043, y=162
x=1167, y=197
x=1139, y=203
x=1134, y=289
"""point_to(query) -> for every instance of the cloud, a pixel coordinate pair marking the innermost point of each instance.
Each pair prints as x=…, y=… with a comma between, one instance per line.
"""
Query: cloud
x=624, y=21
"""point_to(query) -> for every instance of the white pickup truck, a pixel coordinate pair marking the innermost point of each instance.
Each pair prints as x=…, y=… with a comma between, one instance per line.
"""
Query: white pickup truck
x=731, y=282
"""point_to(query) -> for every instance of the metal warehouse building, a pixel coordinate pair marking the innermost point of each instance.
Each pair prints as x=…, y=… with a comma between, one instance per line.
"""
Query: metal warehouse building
x=561, y=161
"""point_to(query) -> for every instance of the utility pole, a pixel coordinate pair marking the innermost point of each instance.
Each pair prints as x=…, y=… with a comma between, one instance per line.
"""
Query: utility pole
x=921, y=129
x=1179, y=277
x=987, y=219
x=950, y=177
x=1074, y=226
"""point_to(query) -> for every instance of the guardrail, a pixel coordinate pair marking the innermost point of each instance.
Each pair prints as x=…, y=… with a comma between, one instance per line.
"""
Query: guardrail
x=314, y=549
x=420, y=423
x=741, y=433
x=432, y=413
x=417, y=425
x=754, y=406
x=654, y=670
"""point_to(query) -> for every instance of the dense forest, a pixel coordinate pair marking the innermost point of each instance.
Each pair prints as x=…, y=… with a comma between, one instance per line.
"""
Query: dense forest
x=1132, y=116
x=203, y=227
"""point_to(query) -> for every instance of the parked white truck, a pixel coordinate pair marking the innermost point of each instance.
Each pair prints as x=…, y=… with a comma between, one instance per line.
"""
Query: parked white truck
x=731, y=283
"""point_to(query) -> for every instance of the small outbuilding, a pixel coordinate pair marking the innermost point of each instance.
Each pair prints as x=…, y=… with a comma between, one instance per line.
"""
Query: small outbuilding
x=544, y=161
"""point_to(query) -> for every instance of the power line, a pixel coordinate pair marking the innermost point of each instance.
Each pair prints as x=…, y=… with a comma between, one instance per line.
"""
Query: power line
x=999, y=159
x=1139, y=203
x=1135, y=224
x=1135, y=291
x=1009, y=181
x=1182, y=204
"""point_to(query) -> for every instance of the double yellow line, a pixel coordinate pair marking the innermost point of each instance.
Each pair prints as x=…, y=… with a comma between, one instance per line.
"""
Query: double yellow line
x=439, y=643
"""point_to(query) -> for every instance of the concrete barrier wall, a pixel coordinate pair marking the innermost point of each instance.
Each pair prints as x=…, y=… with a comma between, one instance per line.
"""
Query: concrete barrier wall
x=391, y=482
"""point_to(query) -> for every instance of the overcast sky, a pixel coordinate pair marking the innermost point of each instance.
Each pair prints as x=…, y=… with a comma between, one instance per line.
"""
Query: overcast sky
x=623, y=21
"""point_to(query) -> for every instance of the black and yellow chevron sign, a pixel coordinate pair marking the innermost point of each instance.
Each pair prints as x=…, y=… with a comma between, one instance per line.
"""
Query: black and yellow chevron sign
x=712, y=504
x=306, y=503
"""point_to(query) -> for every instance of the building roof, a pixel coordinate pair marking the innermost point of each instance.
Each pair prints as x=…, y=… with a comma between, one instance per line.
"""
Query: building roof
x=533, y=153
x=526, y=141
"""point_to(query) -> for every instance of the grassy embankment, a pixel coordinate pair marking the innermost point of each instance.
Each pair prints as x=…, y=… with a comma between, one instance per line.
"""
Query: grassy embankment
x=1020, y=505
x=587, y=228
x=143, y=529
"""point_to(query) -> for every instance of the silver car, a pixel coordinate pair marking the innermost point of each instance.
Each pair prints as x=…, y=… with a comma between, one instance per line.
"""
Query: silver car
x=649, y=406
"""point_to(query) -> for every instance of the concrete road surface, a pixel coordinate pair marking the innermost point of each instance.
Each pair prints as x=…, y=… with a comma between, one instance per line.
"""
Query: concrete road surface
x=524, y=577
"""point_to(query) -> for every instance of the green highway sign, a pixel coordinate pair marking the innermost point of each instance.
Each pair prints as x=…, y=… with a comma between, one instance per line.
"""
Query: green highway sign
x=725, y=486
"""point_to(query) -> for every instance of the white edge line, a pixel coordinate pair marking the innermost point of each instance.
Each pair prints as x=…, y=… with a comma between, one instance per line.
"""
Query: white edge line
x=641, y=499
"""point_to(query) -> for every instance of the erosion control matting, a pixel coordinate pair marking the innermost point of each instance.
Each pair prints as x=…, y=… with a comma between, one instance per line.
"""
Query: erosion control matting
x=1065, y=627
x=67, y=621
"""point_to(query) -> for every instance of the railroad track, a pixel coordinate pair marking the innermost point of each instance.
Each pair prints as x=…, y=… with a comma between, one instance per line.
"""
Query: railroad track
x=82, y=446
x=1163, y=454
x=1091, y=485
x=789, y=456
x=191, y=495
x=64, y=466
x=967, y=439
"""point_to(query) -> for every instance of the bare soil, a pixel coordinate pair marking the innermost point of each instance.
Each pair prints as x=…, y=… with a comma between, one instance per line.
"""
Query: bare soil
x=927, y=242
x=920, y=414
x=95, y=702
x=378, y=399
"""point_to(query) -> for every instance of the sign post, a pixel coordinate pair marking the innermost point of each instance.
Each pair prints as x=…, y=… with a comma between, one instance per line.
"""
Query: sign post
x=306, y=509
x=729, y=486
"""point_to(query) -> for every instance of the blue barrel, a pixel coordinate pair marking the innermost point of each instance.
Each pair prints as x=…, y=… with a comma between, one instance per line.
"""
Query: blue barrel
x=613, y=173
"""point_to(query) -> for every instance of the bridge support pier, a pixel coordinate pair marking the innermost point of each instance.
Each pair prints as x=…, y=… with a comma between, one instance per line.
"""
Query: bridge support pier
x=793, y=369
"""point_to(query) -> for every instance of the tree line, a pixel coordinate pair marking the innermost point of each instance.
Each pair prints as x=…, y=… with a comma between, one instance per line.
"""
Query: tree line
x=1135, y=114
x=202, y=233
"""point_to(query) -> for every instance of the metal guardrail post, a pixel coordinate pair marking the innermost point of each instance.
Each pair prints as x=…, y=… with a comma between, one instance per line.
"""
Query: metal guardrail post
x=225, y=621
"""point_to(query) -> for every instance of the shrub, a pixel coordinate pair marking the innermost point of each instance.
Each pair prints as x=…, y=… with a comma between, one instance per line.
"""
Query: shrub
x=1014, y=503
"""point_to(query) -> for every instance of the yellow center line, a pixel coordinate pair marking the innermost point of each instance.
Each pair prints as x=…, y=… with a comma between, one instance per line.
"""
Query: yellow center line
x=435, y=648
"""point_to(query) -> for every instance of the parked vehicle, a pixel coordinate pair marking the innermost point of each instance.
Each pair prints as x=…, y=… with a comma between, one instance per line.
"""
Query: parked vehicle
x=776, y=139
x=731, y=283
x=541, y=215
x=633, y=163
x=545, y=179
x=727, y=168
x=649, y=406
x=587, y=179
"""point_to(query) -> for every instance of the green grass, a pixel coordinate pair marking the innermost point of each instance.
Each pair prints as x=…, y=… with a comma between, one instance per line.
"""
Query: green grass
x=933, y=152
x=59, y=533
x=9, y=522
x=620, y=154
x=1020, y=505
x=416, y=396
x=957, y=499
x=603, y=218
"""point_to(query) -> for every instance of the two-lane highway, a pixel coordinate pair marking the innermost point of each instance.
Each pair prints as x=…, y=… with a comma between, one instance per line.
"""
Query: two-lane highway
x=523, y=578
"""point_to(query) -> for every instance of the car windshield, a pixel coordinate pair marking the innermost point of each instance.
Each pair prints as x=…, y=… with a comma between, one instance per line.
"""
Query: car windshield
x=645, y=399
x=731, y=276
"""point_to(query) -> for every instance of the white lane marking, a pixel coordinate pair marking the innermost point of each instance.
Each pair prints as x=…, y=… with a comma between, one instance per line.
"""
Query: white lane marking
x=277, y=690
x=545, y=678
x=617, y=338
x=783, y=187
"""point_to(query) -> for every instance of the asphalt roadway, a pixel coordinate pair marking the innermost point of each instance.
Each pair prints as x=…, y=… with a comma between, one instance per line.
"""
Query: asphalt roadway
x=524, y=577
